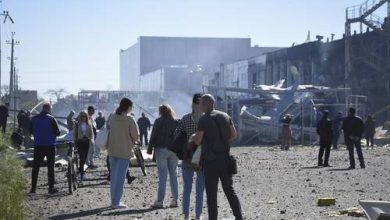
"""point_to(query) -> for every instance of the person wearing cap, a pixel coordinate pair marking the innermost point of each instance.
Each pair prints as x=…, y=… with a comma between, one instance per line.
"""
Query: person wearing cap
x=324, y=130
x=91, y=152
x=188, y=124
x=337, y=122
x=286, y=132
x=144, y=126
x=353, y=128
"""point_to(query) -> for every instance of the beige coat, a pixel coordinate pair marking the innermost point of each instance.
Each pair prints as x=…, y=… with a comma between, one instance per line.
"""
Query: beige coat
x=123, y=133
x=79, y=135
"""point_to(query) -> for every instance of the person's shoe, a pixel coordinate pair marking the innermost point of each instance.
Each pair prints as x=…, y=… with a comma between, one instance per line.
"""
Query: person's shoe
x=186, y=217
x=53, y=191
x=130, y=179
x=362, y=166
x=198, y=218
x=320, y=164
x=173, y=204
x=32, y=191
x=120, y=206
x=351, y=168
x=157, y=205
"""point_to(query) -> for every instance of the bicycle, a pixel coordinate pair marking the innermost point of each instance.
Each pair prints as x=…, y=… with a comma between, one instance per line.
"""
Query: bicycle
x=73, y=167
x=139, y=157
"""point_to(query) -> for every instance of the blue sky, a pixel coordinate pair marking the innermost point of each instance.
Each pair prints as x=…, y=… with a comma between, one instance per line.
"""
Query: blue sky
x=75, y=44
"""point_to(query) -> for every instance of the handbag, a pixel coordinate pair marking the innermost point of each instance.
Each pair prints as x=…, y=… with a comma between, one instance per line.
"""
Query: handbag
x=232, y=164
x=102, y=138
x=178, y=145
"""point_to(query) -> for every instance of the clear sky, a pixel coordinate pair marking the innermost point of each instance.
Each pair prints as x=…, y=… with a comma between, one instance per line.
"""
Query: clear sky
x=75, y=44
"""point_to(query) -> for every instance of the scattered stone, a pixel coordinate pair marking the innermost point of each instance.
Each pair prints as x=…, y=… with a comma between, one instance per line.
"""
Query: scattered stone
x=326, y=201
x=355, y=212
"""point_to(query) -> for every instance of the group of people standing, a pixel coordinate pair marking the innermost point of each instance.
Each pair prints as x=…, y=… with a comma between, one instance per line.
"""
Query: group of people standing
x=202, y=126
x=202, y=123
x=213, y=129
x=354, y=130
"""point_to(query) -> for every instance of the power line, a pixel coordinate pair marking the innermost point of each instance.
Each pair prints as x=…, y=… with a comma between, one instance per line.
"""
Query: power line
x=6, y=16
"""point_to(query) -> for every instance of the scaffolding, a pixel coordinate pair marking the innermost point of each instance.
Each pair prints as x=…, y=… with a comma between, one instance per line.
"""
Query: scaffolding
x=109, y=100
x=368, y=54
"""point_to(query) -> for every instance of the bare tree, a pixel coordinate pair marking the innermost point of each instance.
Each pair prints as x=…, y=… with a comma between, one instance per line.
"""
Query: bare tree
x=58, y=93
x=5, y=89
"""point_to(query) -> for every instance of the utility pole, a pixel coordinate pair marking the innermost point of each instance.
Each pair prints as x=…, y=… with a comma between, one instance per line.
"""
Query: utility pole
x=12, y=93
x=6, y=15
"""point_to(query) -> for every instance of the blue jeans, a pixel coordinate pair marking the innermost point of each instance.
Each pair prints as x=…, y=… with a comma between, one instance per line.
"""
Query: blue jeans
x=166, y=163
x=118, y=173
x=188, y=174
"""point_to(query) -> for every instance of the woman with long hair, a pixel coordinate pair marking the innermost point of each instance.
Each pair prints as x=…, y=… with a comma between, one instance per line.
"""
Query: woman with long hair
x=83, y=135
x=123, y=133
x=161, y=138
x=188, y=125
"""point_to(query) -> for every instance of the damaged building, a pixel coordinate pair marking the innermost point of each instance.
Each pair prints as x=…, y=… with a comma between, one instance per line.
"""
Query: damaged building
x=304, y=79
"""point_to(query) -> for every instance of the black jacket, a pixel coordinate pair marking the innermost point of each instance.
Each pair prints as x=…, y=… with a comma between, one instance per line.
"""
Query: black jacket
x=143, y=124
x=353, y=126
x=163, y=132
x=324, y=129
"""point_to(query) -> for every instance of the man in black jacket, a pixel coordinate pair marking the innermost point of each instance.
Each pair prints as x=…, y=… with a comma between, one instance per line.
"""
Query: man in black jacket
x=337, y=122
x=353, y=128
x=324, y=130
x=144, y=126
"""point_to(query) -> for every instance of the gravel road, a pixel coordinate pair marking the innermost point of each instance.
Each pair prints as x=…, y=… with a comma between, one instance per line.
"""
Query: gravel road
x=271, y=184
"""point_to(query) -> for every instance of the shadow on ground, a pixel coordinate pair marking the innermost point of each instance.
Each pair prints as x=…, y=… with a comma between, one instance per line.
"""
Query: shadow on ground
x=80, y=214
x=312, y=167
x=339, y=169
x=128, y=212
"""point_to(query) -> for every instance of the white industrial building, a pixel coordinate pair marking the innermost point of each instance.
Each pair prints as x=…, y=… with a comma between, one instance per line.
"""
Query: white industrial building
x=182, y=63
